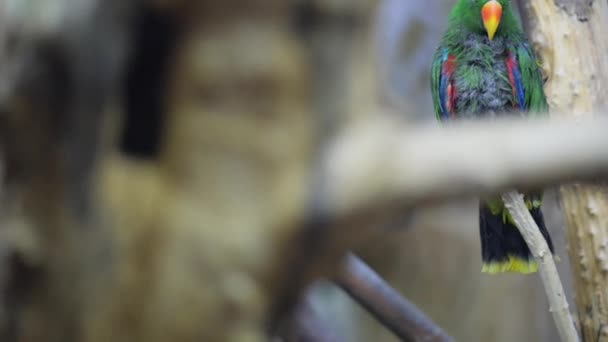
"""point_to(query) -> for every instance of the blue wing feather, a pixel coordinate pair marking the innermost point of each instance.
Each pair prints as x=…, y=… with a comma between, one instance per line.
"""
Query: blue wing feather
x=443, y=88
x=444, y=92
x=516, y=80
x=519, y=86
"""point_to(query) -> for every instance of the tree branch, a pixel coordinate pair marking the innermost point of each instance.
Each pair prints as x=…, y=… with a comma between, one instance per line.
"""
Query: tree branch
x=379, y=162
x=558, y=306
x=390, y=309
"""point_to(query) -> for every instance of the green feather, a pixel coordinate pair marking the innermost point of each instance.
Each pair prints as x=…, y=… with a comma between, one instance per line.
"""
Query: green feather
x=532, y=79
x=435, y=79
x=464, y=20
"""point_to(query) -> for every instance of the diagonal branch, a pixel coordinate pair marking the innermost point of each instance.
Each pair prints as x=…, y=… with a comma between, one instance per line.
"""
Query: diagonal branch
x=392, y=310
x=558, y=306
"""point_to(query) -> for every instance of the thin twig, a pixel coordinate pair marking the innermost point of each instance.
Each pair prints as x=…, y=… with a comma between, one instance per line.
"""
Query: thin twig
x=392, y=310
x=558, y=306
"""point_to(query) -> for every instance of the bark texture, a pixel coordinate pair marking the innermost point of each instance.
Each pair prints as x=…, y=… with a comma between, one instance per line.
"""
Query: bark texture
x=586, y=211
x=570, y=36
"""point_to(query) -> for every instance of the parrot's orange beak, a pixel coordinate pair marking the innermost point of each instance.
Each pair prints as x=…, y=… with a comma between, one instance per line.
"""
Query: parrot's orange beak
x=491, y=13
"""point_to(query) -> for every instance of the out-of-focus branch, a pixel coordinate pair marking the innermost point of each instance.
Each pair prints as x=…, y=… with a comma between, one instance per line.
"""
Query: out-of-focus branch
x=375, y=164
x=306, y=326
x=546, y=266
x=392, y=310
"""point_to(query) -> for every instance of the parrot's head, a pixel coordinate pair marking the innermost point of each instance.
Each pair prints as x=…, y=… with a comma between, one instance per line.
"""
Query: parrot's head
x=482, y=15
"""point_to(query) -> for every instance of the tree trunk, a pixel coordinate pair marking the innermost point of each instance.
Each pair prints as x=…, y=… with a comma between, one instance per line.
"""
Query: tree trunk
x=569, y=36
x=586, y=210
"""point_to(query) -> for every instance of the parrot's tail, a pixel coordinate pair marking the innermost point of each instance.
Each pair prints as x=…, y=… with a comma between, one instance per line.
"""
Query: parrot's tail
x=503, y=249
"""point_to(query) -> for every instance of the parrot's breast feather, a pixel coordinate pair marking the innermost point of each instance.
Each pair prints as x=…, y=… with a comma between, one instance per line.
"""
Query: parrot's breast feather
x=481, y=77
x=476, y=78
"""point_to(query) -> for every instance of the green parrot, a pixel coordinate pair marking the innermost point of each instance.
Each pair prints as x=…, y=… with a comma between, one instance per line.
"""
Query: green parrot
x=485, y=67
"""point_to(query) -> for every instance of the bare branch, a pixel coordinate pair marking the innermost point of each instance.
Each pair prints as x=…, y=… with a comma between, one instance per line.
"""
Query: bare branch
x=392, y=310
x=558, y=306
x=379, y=162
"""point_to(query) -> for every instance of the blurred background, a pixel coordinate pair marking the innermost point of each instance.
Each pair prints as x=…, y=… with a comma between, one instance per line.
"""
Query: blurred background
x=190, y=131
x=436, y=261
